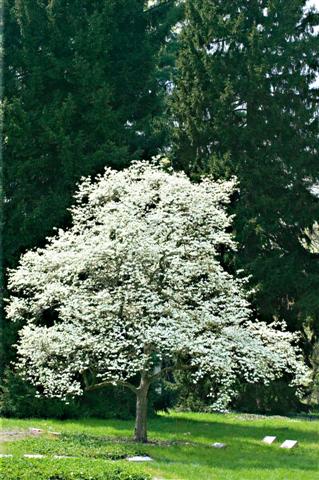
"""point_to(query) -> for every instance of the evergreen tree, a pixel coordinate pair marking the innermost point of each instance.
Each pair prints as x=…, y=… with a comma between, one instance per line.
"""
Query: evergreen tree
x=245, y=104
x=80, y=93
x=164, y=18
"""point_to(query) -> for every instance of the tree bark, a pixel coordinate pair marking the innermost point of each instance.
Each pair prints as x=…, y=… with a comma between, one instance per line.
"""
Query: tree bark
x=140, y=434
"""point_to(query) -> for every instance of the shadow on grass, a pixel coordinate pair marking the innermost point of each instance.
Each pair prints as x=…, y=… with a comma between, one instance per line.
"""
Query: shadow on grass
x=172, y=427
x=245, y=450
x=235, y=430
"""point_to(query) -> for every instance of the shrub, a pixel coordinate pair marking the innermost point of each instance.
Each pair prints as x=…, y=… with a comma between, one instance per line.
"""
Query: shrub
x=18, y=400
x=67, y=469
x=277, y=398
x=81, y=446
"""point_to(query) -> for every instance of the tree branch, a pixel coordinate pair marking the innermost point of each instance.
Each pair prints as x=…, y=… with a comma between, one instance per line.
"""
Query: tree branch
x=108, y=382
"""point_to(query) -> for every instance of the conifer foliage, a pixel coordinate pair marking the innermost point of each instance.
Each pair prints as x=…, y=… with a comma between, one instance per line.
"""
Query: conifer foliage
x=245, y=104
x=81, y=91
x=79, y=94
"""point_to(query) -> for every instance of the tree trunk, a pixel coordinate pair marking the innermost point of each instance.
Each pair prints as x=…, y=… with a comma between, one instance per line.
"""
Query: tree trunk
x=140, y=434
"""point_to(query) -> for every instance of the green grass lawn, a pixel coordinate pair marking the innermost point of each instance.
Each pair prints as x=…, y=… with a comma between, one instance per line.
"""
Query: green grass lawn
x=181, y=448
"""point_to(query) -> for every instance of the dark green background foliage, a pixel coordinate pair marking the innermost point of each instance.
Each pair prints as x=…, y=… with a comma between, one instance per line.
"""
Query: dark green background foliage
x=244, y=107
x=100, y=83
x=79, y=94
x=277, y=398
x=82, y=91
x=18, y=399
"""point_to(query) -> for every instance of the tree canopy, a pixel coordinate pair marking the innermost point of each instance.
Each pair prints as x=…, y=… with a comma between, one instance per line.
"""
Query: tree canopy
x=135, y=289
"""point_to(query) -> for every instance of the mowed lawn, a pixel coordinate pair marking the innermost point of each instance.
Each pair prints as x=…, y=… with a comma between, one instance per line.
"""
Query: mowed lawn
x=181, y=446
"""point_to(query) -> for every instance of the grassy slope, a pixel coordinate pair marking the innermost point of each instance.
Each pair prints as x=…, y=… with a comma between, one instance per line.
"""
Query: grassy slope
x=191, y=457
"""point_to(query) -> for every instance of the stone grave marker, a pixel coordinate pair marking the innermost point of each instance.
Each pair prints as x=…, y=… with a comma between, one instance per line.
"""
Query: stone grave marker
x=289, y=444
x=269, y=440
x=140, y=458
x=219, y=445
x=35, y=455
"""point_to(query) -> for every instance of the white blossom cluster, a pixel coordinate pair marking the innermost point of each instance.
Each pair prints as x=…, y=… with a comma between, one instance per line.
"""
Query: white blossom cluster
x=136, y=283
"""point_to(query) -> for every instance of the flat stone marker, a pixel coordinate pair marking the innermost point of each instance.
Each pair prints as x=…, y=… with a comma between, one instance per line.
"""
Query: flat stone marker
x=36, y=455
x=219, y=445
x=3, y=455
x=139, y=458
x=269, y=440
x=55, y=434
x=289, y=444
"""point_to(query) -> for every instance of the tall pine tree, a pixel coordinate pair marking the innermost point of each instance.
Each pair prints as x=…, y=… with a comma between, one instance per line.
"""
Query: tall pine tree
x=244, y=104
x=80, y=93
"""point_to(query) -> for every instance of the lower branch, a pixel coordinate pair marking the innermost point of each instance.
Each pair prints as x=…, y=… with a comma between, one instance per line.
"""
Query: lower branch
x=96, y=386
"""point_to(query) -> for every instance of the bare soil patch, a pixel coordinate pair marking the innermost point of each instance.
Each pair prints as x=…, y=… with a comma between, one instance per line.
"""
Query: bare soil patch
x=12, y=435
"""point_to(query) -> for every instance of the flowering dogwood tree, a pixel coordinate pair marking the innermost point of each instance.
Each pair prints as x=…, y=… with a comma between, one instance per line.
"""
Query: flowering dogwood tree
x=135, y=289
